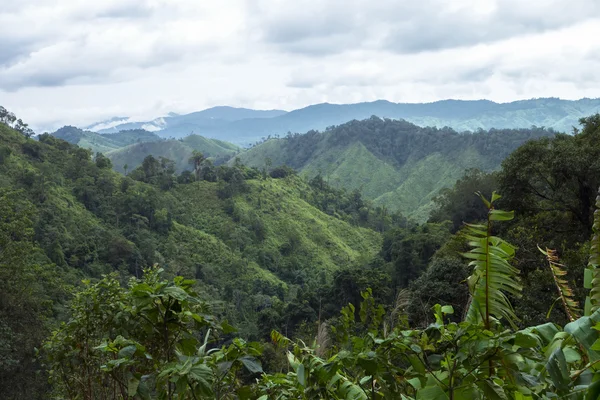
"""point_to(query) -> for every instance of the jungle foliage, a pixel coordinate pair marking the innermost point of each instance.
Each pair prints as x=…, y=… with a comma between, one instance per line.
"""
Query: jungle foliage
x=236, y=282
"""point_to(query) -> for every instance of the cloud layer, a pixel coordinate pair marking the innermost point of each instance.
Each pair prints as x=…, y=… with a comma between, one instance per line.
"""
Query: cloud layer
x=75, y=61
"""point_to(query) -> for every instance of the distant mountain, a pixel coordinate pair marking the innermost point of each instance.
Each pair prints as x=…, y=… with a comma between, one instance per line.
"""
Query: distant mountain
x=395, y=163
x=177, y=150
x=243, y=126
x=103, y=143
x=175, y=125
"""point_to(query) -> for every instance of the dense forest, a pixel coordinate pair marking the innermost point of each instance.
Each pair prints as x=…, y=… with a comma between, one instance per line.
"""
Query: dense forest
x=237, y=282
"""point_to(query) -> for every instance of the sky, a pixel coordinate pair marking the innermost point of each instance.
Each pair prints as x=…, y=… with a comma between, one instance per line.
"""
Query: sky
x=79, y=61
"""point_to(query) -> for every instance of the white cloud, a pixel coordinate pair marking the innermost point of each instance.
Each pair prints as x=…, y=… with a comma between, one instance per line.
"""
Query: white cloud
x=77, y=62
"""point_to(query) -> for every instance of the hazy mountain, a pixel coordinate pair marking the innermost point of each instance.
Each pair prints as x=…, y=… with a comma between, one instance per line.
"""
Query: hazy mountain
x=175, y=125
x=395, y=163
x=103, y=143
x=243, y=126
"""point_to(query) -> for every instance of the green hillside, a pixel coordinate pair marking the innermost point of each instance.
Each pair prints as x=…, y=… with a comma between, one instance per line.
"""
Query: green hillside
x=130, y=147
x=103, y=143
x=395, y=163
x=176, y=150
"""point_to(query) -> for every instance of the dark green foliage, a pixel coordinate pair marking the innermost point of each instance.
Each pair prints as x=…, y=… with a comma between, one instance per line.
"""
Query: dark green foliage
x=460, y=203
x=281, y=172
x=556, y=179
x=410, y=250
x=444, y=282
x=27, y=287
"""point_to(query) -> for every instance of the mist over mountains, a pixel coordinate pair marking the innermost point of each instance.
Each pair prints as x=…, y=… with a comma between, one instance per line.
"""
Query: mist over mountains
x=245, y=126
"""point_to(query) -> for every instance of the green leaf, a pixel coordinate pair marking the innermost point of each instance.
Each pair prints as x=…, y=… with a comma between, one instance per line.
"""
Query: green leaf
x=493, y=277
x=558, y=370
x=432, y=393
x=176, y=292
x=227, y=328
x=300, y=374
x=492, y=391
x=495, y=196
x=251, y=364
x=498, y=215
x=128, y=351
x=447, y=310
x=593, y=391
x=583, y=331
x=202, y=375
x=132, y=386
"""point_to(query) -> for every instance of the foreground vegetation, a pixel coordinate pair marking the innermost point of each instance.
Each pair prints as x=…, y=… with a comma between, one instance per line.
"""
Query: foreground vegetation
x=237, y=282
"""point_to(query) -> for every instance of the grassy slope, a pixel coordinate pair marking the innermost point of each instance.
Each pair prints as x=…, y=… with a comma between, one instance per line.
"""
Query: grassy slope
x=324, y=242
x=210, y=147
x=423, y=179
x=409, y=188
x=355, y=167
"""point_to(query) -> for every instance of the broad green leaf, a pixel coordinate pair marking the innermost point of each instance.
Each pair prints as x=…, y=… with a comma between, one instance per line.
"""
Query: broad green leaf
x=300, y=375
x=583, y=331
x=447, y=310
x=251, y=364
x=493, y=391
x=128, y=351
x=132, y=386
x=558, y=370
x=176, y=292
x=433, y=392
x=498, y=215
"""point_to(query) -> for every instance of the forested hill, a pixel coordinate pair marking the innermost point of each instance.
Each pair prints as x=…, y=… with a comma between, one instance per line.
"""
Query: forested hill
x=397, y=164
x=252, y=241
x=128, y=148
x=247, y=126
x=103, y=143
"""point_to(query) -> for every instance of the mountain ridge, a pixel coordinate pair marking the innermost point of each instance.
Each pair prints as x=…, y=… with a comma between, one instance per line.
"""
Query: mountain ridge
x=393, y=162
x=461, y=115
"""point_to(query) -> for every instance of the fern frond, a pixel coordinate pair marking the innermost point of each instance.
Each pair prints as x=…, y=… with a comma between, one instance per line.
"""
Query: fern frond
x=564, y=291
x=493, y=277
x=592, y=271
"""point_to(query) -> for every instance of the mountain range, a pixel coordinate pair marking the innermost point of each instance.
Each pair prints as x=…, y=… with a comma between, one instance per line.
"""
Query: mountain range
x=245, y=126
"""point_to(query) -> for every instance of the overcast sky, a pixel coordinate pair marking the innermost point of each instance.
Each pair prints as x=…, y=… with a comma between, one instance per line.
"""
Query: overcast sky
x=81, y=61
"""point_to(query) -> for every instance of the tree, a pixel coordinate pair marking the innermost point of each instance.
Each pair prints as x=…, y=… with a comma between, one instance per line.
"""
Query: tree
x=26, y=286
x=154, y=336
x=8, y=118
x=196, y=160
x=556, y=179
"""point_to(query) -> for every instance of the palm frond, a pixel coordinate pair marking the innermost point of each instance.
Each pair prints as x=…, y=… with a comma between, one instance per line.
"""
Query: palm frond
x=565, y=293
x=592, y=271
x=493, y=277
